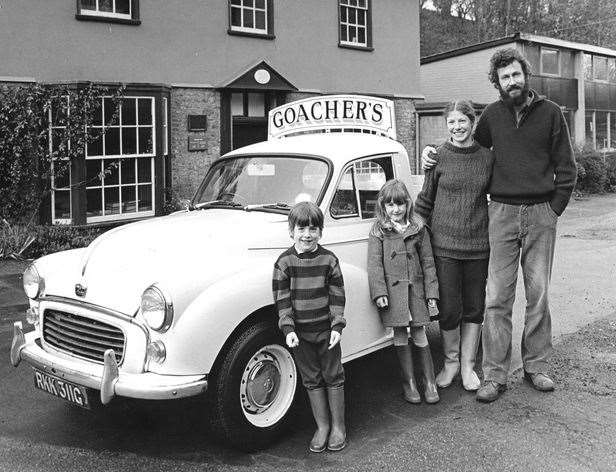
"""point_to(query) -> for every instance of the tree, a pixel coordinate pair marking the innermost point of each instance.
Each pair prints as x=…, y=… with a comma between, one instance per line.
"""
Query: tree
x=586, y=21
x=43, y=129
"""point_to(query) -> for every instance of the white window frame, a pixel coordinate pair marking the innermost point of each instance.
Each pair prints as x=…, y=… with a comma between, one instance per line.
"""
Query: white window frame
x=107, y=14
x=346, y=4
x=254, y=9
x=558, y=57
x=136, y=184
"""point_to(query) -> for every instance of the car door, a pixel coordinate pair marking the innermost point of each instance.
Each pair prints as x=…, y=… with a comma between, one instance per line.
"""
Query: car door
x=350, y=215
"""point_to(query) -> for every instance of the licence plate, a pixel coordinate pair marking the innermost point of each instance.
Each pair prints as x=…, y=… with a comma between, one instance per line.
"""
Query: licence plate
x=72, y=393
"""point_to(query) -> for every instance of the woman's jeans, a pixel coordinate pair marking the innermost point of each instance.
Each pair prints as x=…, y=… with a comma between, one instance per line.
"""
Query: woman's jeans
x=462, y=290
x=519, y=235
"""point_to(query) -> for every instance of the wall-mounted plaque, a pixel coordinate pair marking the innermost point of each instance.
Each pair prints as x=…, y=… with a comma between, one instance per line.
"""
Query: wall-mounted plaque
x=197, y=143
x=197, y=122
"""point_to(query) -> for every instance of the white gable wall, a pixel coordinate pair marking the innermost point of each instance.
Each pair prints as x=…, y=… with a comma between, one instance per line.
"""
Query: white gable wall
x=460, y=77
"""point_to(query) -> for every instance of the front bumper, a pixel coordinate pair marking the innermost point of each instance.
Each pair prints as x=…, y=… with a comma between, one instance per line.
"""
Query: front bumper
x=107, y=377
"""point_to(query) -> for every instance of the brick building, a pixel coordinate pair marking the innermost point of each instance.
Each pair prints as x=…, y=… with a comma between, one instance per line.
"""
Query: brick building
x=581, y=78
x=201, y=77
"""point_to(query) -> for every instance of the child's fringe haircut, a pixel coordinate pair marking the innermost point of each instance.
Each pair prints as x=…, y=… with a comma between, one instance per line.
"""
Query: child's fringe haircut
x=393, y=190
x=306, y=214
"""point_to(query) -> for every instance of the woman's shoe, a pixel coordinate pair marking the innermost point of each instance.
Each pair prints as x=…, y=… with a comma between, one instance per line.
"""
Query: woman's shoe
x=471, y=333
x=451, y=351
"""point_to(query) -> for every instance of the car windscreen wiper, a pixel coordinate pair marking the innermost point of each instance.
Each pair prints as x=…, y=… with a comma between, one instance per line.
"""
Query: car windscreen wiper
x=218, y=202
x=268, y=206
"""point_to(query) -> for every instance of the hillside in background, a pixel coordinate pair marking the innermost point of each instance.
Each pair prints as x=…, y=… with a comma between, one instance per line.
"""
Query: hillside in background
x=452, y=24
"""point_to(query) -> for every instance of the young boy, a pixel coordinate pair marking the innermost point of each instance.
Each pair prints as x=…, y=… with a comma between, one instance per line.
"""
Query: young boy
x=309, y=295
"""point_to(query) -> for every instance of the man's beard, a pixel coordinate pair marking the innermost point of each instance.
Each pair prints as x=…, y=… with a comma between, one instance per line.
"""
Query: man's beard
x=515, y=101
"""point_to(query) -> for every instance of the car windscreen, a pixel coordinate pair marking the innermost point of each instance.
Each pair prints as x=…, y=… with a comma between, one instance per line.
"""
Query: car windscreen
x=263, y=180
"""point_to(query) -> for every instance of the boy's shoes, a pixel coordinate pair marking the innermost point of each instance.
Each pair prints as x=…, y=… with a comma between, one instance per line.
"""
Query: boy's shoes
x=539, y=381
x=490, y=391
x=337, y=441
x=319, y=441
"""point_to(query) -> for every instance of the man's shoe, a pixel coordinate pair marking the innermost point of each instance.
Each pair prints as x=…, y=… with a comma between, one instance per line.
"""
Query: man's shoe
x=490, y=391
x=539, y=381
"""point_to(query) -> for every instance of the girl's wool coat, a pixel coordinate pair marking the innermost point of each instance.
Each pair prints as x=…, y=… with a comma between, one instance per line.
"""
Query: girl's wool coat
x=401, y=267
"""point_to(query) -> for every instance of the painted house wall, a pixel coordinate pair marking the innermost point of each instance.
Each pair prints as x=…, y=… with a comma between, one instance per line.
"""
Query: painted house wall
x=464, y=76
x=187, y=42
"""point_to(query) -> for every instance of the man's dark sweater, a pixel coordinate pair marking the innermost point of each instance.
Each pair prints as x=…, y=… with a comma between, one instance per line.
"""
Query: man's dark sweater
x=453, y=200
x=534, y=160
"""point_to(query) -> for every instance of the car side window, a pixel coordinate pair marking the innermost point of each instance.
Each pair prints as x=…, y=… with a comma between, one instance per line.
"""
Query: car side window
x=344, y=203
x=359, y=187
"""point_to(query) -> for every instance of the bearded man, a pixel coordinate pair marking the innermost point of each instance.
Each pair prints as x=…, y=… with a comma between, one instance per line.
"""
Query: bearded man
x=532, y=180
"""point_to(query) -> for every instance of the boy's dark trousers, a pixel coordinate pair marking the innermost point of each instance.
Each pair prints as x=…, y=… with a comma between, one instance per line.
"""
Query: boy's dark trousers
x=318, y=366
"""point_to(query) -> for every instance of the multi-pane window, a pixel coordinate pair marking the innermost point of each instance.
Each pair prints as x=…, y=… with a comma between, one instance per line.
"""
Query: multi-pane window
x=107, y=8
x=550, y=61
x=249, y=16
x=599, y=68
x=120, y=164
x=355, y=23
x=60, y=174
x=601, y=129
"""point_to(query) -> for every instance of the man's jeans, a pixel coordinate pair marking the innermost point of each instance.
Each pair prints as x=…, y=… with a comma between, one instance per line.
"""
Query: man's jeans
x=523, y=234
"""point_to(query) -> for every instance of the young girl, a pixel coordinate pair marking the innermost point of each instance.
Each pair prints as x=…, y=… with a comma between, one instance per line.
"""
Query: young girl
x=453, y=201
x=402, y=278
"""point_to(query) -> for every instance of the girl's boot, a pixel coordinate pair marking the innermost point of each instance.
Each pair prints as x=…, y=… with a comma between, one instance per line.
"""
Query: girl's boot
x=430, y=392
x=337, y=435
x=451, y=351
x=320, y=411
x=468, y=351
x=409, y=385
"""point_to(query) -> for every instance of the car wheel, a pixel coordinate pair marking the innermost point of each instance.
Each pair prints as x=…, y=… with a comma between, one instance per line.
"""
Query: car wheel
x=253, y=391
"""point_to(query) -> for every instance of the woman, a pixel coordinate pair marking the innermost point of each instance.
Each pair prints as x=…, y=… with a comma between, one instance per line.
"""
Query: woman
x=453, y=202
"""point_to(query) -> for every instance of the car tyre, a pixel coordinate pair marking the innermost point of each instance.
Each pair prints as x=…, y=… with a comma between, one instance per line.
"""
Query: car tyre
x=253, y=390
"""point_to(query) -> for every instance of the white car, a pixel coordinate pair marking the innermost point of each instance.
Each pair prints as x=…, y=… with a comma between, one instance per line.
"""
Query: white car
x=181, y=305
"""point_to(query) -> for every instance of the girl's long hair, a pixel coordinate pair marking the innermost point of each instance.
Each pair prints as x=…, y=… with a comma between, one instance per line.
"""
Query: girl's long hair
x=393, y=190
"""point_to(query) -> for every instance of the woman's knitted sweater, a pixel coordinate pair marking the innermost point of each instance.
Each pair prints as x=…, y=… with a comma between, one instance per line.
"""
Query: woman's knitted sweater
x=453, y=201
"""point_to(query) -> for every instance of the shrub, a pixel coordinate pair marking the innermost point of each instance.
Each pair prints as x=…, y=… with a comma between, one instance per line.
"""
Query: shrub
x=610, y=163
x=592, y=171
x=49, y=239
x=32, y=241
x=14, y=240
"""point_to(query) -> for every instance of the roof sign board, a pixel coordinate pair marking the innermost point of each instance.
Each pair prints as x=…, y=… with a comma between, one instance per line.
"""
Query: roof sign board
x=333, y=112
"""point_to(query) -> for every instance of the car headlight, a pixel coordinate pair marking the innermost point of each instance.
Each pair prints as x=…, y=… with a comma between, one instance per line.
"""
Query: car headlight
x=156, y=308
x=34, y=284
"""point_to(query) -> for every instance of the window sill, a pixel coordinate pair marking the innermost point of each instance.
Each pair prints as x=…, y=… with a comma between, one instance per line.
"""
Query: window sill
x=106, y=19
x=358, y=48
x=251, y=35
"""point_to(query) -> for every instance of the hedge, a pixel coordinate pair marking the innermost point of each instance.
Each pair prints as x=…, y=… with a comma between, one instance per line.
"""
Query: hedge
x=596, y=171
x=32, y=241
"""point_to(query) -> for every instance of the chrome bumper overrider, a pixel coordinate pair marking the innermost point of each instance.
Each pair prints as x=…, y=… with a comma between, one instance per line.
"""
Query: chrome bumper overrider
x=107, y=378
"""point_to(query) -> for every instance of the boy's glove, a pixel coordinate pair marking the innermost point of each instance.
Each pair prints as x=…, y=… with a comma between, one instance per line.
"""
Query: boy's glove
x=292, y=339
x=433, y=310
x=382, y=303
x=334, y=338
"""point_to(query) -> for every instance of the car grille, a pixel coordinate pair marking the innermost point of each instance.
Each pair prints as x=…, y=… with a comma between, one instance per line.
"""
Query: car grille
x=81, y=336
